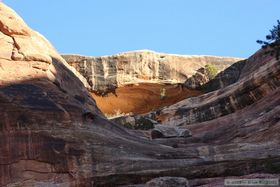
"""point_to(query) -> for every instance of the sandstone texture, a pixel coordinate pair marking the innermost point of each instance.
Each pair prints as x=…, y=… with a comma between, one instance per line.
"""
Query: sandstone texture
x=168, y=182
x=234, y=118
x=52, y=133
x=108, y=72
x=259, y=85
x=163, y=131
x=141, y=98
x=225, y=78
x=164, y=182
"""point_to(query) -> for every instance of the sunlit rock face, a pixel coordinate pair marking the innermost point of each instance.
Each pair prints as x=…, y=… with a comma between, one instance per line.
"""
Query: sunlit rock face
x=235, y=116
x=39, y=96
x=108, y=72
x=52, y=133
x=249, y=89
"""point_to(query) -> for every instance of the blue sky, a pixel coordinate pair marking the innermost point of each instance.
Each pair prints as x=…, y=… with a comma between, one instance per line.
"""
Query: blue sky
x=104, y=27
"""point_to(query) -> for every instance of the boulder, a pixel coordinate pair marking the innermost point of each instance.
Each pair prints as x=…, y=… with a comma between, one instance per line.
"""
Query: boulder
x=200, y=78
x=163, y=131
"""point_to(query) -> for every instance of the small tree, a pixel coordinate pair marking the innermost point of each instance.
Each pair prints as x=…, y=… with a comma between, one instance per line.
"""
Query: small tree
x=272, y=43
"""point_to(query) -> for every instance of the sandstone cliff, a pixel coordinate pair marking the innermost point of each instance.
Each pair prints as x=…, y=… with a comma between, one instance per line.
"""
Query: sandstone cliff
x=108, y=72
x=244, y=108
x=52, y=133
x=247, y=90
x=245, y=111
x=225, y=78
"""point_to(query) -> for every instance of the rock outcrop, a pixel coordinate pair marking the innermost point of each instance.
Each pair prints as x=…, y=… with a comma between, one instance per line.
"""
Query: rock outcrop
x=233, y=118
x=108, y=72
x=163, y=131
x=52, y=133
x=225, y=78
x=246, y=91
x=199, y=79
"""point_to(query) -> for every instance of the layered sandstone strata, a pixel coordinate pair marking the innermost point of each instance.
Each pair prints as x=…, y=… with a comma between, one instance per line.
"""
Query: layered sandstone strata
x=247, y=90
x=108, y=72
x=52, y=133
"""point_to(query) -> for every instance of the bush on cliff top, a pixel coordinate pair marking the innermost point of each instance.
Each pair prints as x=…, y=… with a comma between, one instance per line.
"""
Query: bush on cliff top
x=272, y=43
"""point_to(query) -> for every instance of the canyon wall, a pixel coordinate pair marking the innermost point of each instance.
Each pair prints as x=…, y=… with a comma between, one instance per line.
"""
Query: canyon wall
x=108, y=72
x=233, y=90
x=52, y=133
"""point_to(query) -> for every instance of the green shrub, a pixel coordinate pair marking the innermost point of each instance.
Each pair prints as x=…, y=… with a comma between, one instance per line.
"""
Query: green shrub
x=272, y=43
x=211, y=70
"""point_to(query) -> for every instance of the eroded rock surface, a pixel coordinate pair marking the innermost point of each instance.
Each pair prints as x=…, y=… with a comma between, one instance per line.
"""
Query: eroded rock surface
x=52, y=133
x=232, y=119
x=168, y=182
x=108, y=72
x=225, y=78
x=164, y=182
x=248, y=90
x=164, y=131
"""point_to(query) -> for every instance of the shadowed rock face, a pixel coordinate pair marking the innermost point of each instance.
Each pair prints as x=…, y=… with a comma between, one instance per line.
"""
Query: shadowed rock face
x=108, y=72
x=52, y=133
x=225, y=78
